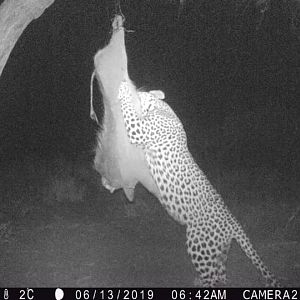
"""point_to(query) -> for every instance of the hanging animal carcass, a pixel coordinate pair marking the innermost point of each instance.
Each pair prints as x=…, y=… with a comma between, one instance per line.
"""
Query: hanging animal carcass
x=120, y=163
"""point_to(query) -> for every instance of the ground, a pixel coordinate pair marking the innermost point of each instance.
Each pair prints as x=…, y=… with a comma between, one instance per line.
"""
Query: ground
x=63, y=229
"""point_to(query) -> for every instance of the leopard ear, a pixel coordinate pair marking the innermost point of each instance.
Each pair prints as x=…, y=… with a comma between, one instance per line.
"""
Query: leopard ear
x=158, y=94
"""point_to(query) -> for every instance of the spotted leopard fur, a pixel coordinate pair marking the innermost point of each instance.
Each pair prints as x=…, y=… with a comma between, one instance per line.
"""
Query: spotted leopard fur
x=185, y=191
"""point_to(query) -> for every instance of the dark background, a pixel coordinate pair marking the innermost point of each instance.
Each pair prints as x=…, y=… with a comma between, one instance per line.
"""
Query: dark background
x=222, y=73
x=231, y=75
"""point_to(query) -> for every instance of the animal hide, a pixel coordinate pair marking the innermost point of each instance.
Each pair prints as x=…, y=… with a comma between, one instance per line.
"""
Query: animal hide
x=121, y=164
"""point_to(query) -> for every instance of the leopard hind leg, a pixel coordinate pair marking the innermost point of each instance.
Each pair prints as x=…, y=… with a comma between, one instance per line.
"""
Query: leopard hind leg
x=208, y=255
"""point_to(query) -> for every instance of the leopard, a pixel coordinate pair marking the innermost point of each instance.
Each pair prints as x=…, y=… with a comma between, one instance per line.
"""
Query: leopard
x=185, y=191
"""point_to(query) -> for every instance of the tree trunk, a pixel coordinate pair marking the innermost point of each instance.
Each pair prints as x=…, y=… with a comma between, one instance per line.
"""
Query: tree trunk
x=15, y=15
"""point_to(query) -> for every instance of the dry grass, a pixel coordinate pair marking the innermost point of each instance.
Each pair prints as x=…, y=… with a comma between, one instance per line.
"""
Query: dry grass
x=257, y=197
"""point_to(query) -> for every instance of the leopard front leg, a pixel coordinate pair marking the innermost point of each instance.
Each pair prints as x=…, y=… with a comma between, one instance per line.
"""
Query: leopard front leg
x=133, y=123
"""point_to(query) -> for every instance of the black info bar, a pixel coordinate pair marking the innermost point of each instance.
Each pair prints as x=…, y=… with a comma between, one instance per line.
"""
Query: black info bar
x=150, y=293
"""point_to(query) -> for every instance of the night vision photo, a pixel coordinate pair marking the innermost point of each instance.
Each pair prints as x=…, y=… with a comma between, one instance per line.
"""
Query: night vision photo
x=151, y=143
